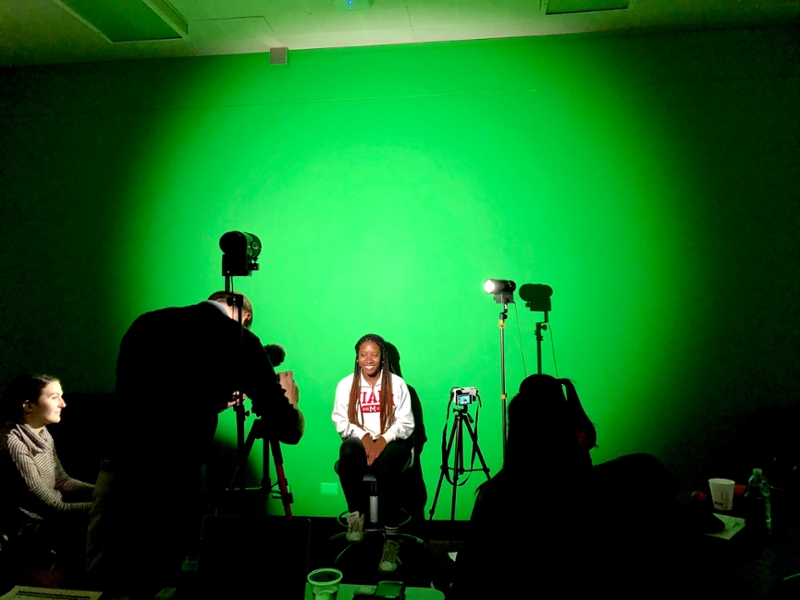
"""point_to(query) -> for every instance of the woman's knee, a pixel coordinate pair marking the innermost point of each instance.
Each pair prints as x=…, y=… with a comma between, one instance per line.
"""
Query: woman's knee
x=352, y=456
x=392, y=460
x=351, y=447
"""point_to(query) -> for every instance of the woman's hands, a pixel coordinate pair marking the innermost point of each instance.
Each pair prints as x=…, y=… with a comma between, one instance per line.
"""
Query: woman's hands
x=373, y=448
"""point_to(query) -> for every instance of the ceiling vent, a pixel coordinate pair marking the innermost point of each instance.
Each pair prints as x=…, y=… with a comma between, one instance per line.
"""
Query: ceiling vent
x=567, y=7
x=129, y=20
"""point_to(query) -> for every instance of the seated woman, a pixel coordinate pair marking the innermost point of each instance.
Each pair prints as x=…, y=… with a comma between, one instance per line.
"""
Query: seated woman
x=527, y=526
x=41, y=504
x=373, y=416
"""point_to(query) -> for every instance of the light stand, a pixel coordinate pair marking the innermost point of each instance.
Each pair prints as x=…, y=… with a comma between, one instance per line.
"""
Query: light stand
x=540, y=326
x=240, y=255
x=503, y=291
x=537, y=298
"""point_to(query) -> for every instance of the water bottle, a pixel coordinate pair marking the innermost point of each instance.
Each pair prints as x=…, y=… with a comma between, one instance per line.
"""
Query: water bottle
x=758, y=510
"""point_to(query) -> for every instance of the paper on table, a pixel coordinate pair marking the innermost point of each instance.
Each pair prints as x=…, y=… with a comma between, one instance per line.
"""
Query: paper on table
x=21, y=592
x=733, y=525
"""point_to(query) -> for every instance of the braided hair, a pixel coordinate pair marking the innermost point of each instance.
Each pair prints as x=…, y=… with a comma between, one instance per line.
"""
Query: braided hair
x=386, y=395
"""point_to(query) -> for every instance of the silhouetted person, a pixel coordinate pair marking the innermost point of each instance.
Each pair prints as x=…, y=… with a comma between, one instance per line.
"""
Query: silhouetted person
x=549, y=521
x=528, y=526
x=177, y=369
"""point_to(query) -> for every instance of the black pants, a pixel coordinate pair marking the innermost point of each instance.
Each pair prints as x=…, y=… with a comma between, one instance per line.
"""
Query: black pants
x=141, y=526
x=387, y=469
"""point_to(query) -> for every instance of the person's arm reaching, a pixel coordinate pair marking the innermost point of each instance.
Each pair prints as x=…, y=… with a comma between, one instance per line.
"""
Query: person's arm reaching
x=274, y=397
x=292, y=393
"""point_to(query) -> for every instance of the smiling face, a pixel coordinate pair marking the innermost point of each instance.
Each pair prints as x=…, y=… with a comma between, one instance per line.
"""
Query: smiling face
x=369, y=359
x=47, y=408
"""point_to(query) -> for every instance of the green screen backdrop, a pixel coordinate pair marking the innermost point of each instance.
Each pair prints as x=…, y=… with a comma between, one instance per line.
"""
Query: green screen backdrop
x=650, y=180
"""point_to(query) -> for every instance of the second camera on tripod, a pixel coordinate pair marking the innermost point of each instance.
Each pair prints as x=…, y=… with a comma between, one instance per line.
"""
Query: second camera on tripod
x=464, y=396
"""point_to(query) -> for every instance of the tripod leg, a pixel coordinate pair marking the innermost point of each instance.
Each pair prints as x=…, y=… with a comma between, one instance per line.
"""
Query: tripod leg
x=243, y=456
x=283, y=486
x=443, y=473
x=458, y=462
x=477, y=448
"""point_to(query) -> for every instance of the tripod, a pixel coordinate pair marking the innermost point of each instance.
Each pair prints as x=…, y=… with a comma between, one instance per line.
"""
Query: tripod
x=259, y=432
x=461, y=419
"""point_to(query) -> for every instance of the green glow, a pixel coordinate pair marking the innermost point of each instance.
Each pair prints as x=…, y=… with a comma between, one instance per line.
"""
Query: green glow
x=388, y=183
x=357, y=200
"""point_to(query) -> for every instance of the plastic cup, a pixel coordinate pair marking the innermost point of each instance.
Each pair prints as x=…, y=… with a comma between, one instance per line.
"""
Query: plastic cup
x=722, y=493
x=325, y=583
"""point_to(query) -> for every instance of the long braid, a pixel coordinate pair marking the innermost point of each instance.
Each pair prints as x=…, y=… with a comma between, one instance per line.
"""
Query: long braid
x=386, y=396
x=353, y=411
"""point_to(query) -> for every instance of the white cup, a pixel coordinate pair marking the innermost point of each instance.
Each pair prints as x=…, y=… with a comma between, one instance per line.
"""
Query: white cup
x=722, y=493
x=325, y=583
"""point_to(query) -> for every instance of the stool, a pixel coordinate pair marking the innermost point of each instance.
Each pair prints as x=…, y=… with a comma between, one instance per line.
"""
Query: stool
x=371, y=521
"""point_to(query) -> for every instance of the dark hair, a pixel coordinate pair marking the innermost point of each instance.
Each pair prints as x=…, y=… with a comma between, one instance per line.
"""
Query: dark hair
x=545, y=425
x=24, y=388
x=387, y=405
x=246, y=306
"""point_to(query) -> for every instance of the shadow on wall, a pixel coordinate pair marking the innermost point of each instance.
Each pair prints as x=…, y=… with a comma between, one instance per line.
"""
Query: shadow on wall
x=416, y=495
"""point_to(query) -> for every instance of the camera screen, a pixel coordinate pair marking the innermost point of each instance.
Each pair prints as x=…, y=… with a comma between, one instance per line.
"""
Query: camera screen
x=462, y=399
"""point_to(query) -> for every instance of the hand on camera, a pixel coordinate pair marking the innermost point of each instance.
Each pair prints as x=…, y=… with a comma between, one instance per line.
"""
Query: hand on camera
x=286, y=379
x=235, y=397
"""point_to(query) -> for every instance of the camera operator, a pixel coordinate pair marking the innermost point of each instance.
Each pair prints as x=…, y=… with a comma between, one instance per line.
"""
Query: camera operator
x=177, y=369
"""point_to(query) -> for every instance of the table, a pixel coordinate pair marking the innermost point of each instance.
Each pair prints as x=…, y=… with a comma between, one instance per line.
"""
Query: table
x=346, y=591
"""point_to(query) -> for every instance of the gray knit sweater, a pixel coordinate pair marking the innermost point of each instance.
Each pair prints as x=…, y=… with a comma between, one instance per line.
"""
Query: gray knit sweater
x=32, y=478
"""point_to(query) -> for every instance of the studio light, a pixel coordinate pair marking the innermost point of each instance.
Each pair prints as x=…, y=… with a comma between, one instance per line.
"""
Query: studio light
x=502, y=289
x=240, y=252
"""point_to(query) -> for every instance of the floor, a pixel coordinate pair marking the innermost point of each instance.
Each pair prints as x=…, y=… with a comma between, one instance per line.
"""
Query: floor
x=741, y=569
x=421, y=564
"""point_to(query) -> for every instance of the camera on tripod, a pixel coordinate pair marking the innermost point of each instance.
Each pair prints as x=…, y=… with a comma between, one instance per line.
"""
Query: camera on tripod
x=464, y=396
x=453, y=462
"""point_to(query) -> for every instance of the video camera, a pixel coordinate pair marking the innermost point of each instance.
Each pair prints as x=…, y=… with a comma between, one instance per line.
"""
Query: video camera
x=464, y=396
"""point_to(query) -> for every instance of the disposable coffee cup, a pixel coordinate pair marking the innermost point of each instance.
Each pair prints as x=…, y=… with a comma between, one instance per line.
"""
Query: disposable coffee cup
x=722, y=493
x=325, y=583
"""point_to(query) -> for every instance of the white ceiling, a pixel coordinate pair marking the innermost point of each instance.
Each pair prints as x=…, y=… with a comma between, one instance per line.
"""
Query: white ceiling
x=43, y=32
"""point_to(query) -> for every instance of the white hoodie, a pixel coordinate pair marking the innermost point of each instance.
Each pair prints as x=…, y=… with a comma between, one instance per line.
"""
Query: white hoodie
x=369, y=406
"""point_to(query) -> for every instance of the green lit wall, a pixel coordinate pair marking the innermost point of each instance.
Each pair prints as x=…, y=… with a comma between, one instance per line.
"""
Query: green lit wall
x=651, y=180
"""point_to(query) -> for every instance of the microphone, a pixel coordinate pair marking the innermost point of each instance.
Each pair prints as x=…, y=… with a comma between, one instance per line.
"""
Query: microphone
x=276, y=353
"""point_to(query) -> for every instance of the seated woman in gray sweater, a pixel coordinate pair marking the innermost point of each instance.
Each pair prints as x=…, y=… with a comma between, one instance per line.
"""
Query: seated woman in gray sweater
x=39, y=498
